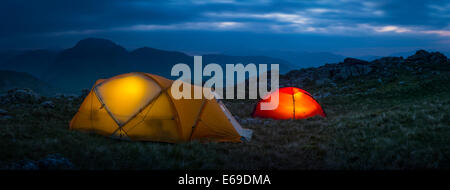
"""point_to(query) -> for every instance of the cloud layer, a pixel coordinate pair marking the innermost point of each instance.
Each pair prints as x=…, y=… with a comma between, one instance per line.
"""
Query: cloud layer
x=367, y=18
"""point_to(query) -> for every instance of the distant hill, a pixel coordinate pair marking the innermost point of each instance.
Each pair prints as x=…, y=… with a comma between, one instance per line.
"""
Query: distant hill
x=13, y=79
x=157, y=61
x=90, y=59
x=370, y=57
x=5, y=55
x=298, y=59
x=34, y=62
x=221, y=59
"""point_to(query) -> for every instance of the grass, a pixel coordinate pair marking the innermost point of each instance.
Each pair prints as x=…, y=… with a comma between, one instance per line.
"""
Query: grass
x=401, y=123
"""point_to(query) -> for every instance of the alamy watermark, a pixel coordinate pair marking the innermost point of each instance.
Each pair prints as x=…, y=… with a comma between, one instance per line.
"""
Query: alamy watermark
x=215, y=87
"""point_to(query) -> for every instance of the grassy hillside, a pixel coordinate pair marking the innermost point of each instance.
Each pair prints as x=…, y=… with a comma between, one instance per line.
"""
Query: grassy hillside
x=13, y=79
x=397, y=122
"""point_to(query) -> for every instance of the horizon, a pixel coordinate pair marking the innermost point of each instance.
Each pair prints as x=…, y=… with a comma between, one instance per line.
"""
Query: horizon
x=363, y=57
x=346, y=27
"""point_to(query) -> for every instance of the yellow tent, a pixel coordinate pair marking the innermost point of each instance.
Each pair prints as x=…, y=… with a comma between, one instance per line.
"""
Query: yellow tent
x=140, y=106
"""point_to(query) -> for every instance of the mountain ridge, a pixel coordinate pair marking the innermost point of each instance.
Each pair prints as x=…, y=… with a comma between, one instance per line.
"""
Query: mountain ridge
x=422, y=62
x=90, y=59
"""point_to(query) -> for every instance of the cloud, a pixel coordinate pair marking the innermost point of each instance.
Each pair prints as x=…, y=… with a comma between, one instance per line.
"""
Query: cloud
x=208, y=26
x=321, y=16
x=327, y=18
x=184, y=26
x=391, y=28
x=438, y=32
x=274, y=16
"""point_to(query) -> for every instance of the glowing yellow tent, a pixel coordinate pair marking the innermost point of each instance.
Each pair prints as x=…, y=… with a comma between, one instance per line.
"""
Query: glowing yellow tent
x=140, y=106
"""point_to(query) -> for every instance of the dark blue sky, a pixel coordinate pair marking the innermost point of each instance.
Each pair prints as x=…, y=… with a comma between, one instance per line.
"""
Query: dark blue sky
x=347, y=27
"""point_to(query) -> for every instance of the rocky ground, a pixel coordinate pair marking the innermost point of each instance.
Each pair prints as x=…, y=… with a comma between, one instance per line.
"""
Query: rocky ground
x=391, y=113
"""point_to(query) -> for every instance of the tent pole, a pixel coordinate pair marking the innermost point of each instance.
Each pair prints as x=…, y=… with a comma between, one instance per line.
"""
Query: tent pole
x=293, y=105
x=198, y=118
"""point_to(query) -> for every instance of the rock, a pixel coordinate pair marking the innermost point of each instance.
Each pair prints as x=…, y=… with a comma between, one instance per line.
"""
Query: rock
x=50, y=162
x=347, y=71
x=386, y=61
x=30, y=166
x=349, y=68
x=65, y=95
x=3, y=112
x=4, y=115
x=323, y=81
x=342, y=74
x=421, y=62
x=21, y=95
x=418, y=56
x=54, y=161
x=353, y=61
x=401, y=83
x=48, y=104
x=24, y=165
x=422, y=57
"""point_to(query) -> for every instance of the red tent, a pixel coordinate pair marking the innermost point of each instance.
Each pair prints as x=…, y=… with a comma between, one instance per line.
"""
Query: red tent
x=294, y=103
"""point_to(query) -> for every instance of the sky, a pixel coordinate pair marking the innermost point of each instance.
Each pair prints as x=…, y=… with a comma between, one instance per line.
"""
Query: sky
x=346, y=27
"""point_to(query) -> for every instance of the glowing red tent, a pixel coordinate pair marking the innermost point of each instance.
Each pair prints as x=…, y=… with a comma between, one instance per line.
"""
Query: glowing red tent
x=294, y=103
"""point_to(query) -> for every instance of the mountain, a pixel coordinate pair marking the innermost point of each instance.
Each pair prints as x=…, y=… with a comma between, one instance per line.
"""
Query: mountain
x=34, y=62
x=157, y=61
x=369, y=57
x=298, y=59
x=5, y=55
x=91, y=59
x=14, y=79
x=221, y=59
x=308, y=59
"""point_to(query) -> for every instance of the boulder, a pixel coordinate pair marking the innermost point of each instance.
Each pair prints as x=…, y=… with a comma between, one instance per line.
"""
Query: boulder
x=353, y=61
x=21, y=95
x=48, y=104
x=422, y=57
x=323, y=81
x=384, y=61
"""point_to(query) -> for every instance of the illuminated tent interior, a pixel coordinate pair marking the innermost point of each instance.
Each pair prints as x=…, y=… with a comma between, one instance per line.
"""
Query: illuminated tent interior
x=140, y=106
x=294, y=103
